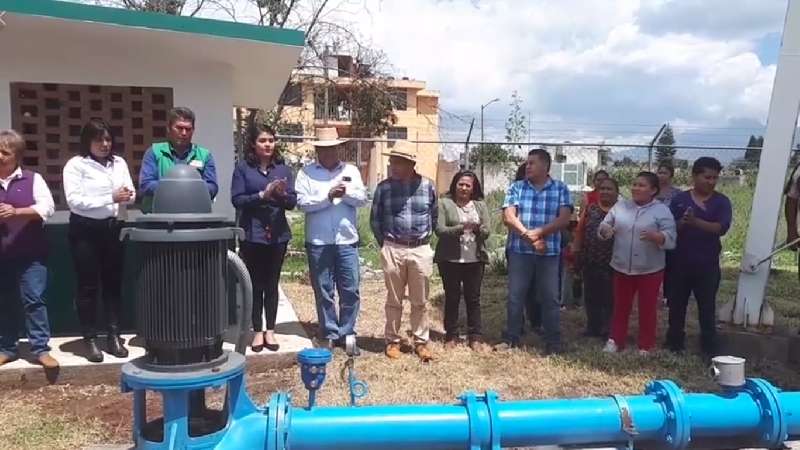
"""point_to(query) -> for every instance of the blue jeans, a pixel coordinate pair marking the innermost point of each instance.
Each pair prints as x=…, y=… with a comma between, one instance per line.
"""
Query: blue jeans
x=22, y=285
x=541, y=273
x=335, y=268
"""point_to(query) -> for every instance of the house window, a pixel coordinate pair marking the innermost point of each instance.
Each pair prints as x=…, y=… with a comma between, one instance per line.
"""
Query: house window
x=292, y=129
x=397, y=133
x=292, y=95
x=399, y=99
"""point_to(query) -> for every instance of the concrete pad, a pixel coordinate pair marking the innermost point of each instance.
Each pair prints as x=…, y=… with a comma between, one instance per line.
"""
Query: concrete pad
x=754, y=345
x=68, y=351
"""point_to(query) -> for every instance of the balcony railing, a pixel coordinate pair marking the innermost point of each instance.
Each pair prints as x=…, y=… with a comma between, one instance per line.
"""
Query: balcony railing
x=335, y=112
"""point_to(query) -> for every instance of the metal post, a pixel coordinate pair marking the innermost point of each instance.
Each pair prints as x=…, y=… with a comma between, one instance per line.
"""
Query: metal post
x=650, y=150
x=749, y=307
x=480, y=146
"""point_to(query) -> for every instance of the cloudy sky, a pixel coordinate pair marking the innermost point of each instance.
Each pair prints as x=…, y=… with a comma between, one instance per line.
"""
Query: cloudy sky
x=593, y=69
x=587, y=70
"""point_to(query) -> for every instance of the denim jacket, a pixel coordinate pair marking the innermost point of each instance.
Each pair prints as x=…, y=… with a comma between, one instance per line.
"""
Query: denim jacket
x=632, y=255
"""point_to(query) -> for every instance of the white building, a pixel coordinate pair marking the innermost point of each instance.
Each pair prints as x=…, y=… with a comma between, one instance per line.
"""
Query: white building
x=63, y=63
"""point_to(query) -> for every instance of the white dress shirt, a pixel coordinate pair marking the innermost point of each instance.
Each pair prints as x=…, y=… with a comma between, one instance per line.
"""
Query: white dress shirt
x=42, y=197
x=330, y=222
x=89, y=186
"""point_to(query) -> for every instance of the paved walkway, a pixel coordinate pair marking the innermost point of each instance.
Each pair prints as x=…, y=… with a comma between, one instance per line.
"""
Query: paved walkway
x=69, y=350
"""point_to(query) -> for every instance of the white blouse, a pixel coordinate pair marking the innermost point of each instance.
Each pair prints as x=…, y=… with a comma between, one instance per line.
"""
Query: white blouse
x=89, y=186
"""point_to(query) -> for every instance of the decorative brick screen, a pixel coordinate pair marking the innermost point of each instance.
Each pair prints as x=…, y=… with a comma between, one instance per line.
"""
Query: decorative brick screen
x=50, y=118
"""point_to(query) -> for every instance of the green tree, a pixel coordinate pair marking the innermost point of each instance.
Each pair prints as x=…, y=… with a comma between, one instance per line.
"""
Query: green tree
x=665, y=152
x=516, y=128
x=493, y=154
x=753, y=153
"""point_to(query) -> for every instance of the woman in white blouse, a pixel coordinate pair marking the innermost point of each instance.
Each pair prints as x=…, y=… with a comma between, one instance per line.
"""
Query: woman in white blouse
x=97, y=186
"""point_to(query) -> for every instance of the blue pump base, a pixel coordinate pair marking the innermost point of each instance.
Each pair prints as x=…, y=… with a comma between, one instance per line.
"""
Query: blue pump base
x=186, y=422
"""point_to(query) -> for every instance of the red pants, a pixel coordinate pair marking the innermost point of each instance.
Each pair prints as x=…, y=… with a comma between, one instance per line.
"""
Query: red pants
x=625, y=289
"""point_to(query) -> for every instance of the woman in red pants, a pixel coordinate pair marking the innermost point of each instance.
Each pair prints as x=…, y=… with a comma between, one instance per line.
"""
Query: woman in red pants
x=643, y=228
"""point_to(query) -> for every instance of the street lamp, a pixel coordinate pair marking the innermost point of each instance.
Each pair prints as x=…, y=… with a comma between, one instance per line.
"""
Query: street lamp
x=481, y=144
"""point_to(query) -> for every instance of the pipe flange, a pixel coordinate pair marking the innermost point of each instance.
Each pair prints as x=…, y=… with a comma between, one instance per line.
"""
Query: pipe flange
x=678, y=427
x=491, y=399
x=470, y=402
x=282, y=420
x=773, y=430
x=277, y=421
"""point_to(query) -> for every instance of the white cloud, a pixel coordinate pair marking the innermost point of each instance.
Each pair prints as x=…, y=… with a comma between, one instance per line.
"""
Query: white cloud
x=619, y=61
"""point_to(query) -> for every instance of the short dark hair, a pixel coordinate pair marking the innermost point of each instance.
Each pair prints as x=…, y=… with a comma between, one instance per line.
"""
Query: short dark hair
x=180, y=113
x=668, y=167
x=93, y=130
x=254, y=130
x=477, y=191
x=598, y=173
x=543, y=155
x=520, y=175
x=652, y=180
x=706, y=162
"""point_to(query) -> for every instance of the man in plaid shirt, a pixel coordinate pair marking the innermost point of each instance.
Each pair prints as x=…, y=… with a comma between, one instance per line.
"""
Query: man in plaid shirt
x=404, y=212
x=535, y=211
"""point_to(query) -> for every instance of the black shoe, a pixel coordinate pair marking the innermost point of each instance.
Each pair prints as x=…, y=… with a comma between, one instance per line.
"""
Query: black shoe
x=115, y=346
x=272, y=347
x=93, y=353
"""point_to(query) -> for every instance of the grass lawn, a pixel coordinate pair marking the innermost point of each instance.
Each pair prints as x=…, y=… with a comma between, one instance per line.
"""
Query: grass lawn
x=67, y=417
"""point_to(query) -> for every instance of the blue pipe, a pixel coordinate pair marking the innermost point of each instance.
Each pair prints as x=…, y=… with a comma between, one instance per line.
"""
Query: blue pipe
x=757, y=414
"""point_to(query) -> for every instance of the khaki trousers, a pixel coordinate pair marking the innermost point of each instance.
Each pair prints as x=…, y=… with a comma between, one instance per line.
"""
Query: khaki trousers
x=407, y=267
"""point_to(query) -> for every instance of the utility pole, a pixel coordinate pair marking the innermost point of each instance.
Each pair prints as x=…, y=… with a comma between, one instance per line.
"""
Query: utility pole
x=466, y=144
x=481, y=146
x=650, y=150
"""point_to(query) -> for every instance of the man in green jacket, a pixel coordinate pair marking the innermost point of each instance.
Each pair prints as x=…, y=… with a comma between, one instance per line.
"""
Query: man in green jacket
x=179, y=149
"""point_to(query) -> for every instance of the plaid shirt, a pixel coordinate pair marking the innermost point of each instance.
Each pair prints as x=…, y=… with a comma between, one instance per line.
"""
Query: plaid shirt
x=536, y=209
x=404, y=211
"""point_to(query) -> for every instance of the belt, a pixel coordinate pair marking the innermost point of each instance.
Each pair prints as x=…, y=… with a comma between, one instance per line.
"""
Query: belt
x=408, y=242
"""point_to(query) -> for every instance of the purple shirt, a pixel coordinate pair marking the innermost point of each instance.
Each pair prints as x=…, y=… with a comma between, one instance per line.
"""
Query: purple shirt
x=698, y=248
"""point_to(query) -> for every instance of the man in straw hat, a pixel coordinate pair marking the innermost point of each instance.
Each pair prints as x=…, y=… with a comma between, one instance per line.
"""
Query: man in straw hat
x=329, y=191
x=404, y=212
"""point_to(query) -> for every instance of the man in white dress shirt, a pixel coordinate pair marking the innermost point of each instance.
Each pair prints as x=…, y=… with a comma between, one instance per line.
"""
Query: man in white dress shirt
x=329, y=191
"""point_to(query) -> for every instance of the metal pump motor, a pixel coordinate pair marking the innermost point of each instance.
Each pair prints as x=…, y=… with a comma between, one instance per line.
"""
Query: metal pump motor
x=183, y=307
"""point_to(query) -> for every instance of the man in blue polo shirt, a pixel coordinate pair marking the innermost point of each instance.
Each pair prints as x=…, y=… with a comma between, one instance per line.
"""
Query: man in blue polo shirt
x=535, y=211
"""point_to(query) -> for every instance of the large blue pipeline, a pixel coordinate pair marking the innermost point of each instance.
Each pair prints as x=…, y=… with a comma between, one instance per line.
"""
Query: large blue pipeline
x=756, y=415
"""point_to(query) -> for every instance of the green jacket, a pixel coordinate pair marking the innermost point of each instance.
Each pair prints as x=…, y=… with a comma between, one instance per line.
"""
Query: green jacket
x=449, y=229
x=164, y=159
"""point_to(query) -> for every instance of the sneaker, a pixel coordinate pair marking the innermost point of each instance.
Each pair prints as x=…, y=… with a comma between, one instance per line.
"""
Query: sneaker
x=611, y=346
x=643, y=352
x=393, y=351
x=423, y=352
x=47, y=361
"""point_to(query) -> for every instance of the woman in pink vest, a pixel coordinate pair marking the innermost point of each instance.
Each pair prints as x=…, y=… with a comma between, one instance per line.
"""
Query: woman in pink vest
x=25, y=204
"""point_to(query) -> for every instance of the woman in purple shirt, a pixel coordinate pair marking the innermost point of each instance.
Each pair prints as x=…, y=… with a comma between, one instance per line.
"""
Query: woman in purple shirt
x=703, y=215
x=262, y=191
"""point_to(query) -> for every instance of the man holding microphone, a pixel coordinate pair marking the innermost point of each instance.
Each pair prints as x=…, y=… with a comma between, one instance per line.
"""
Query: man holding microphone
x=329, y=191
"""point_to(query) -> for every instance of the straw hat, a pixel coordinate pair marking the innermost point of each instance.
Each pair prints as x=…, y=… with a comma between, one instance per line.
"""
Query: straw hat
x=403, y=149
x=327, y=137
